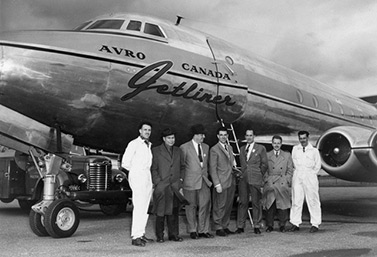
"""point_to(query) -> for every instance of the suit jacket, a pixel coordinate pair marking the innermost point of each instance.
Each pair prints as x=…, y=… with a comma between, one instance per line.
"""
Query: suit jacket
x=220, y=165
x=254, y=168
x=194, y=174
x=278, y=180
x=167, y=170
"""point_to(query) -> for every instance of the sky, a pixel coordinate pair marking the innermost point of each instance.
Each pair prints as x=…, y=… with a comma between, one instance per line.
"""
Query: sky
x=333, y=41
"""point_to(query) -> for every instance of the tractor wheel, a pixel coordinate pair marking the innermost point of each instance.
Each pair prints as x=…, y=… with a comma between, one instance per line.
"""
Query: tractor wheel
x=62, y=218
x=25, y=205
x=36, y=221
x=112, y=209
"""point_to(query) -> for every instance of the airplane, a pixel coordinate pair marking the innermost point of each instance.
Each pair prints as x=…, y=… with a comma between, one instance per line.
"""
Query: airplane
x=92, y=86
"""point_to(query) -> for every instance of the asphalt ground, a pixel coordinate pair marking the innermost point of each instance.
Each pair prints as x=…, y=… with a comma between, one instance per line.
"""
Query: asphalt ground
x=349, y=228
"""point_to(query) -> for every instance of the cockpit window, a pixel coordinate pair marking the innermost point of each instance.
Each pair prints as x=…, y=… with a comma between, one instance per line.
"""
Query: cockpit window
x=83, y=25
x=134, y=25
x=107, y=24
x=153, y=30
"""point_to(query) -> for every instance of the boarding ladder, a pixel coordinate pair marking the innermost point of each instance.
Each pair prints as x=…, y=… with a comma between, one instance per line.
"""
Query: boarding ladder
x=233, y=141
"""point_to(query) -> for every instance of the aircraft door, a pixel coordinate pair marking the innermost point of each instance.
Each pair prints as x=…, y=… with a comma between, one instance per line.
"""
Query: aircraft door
x=231, y=81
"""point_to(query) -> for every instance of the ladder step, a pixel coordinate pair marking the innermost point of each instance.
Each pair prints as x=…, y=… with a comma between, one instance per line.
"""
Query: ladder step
x=232, y=141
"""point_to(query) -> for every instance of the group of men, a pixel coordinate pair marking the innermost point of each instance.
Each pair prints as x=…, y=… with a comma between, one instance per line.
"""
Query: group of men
x=275, y=181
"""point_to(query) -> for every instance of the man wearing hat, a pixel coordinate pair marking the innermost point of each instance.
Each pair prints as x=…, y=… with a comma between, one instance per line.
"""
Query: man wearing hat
x=167, y=171
x=196, y=185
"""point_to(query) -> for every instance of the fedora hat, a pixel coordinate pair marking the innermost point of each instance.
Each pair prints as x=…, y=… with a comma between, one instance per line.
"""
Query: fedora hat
x=167, y=132
x=198, y=129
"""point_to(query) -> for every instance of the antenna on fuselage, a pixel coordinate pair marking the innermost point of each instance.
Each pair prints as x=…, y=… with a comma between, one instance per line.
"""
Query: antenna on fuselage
x=179, y=18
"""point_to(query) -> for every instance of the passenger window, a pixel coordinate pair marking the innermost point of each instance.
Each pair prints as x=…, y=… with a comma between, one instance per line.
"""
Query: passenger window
x=300, y=97
x=329, y=106
x=107, y=24
x=341, y=109
x=153, y=30
x=315, y=101
x=134, y=25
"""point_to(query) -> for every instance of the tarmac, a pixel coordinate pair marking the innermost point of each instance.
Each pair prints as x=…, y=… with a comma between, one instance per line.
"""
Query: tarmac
x=349, y=228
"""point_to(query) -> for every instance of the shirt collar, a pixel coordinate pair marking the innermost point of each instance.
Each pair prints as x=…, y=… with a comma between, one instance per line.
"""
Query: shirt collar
x=309, y=146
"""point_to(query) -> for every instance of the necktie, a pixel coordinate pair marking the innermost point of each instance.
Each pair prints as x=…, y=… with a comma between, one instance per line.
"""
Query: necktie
x=277, y=154
x=247, y=150
x=303, y=149
x=227, y=151
x=200, y=153
x=146, y=142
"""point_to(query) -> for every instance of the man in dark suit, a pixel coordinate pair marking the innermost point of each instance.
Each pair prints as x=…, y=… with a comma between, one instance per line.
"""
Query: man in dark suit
x=221, y=163
x=277, y=187
x=196, y=185
x=167, y=176
x=254, y=164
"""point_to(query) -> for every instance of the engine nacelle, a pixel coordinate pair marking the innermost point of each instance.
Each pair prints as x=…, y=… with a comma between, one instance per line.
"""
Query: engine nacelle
x=349, y=153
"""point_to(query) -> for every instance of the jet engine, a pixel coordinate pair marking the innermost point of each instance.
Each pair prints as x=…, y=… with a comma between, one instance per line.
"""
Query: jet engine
x=349, y=153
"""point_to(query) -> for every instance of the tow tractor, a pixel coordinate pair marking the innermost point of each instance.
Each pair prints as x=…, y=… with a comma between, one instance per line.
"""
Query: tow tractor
x=54, y=186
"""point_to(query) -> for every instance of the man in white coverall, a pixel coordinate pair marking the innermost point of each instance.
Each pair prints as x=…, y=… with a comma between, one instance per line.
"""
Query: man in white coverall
x=307, y=163
x=137, y=159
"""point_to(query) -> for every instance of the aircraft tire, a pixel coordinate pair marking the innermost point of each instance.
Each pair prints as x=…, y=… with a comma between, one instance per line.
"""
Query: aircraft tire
x=36, y=221
x=62, y=218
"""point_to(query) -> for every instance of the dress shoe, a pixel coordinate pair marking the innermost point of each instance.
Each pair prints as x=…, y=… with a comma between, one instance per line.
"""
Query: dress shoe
x=257, y=231
x=160, y=240
x=176, y=238
x=282, y=229
x=221, y=232
x=229, y=232
x=194, y=235
x=293, y=229
x=313, y=229
x=269, y=229
x=146, y=239
x=138, y=242
x=239, y=230
x=205, y=235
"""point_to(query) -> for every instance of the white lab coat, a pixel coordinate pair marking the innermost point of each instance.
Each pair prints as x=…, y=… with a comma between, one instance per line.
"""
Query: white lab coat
x=137, y=159
x=305, y=184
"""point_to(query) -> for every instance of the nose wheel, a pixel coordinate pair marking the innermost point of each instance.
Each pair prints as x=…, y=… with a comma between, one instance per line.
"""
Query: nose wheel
x=61, y=219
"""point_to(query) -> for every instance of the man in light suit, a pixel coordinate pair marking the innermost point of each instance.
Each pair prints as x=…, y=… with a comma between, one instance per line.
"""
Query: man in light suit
x=137, y=159
x=196, y=185
x=221, y=163
x=167, y=176
x=277, y=187
x=254, y=164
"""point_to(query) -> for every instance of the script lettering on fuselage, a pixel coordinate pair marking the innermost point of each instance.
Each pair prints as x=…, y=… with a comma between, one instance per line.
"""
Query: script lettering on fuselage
x=193, y=92
x=122, y=51
x=205, y=71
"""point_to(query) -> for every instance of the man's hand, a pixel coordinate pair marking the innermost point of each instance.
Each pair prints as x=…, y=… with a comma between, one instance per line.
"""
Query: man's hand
x=219, y=189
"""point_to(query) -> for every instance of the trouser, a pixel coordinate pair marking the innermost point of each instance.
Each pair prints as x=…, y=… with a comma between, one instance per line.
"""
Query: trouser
x=222, y=207
x=172, y=222
x=305, y=188
x=141, y=186
x=198, y=198
x=270, y=215
x=244, y=189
